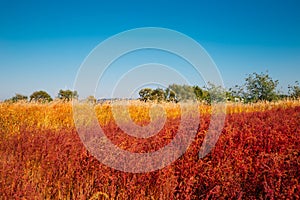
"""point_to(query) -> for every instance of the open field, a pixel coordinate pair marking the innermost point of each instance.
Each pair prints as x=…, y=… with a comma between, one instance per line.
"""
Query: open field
x=256, y=157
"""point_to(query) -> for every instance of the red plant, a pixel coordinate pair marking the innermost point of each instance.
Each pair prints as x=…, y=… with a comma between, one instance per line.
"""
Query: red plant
x=256, y=157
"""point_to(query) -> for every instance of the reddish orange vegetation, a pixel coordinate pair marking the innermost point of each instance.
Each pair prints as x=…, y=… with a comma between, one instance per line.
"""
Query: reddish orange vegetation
x=256, y=157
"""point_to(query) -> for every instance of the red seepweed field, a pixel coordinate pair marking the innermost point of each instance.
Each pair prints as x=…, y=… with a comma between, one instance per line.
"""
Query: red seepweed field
x=257, y=155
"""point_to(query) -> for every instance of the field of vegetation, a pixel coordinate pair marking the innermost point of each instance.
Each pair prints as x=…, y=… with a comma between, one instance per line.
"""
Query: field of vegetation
x=256, y=157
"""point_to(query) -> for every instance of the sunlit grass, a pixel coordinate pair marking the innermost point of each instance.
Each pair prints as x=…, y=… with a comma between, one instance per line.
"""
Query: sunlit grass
x=257, y=155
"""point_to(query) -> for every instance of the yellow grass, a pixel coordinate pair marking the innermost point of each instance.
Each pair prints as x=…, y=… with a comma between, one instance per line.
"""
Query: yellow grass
x=58, y=115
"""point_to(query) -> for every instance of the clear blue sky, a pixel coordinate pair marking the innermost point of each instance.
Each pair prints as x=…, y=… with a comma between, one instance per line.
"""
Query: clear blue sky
x=43, y=43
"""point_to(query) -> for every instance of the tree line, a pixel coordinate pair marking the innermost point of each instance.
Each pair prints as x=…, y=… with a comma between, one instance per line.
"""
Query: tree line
x=43, y=97
x=257, y=87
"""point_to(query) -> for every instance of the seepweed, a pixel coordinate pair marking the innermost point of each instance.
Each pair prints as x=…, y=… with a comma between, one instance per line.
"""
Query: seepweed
x=256, y=156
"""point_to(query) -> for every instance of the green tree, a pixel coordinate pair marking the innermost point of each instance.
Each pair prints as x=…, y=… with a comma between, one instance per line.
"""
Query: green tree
x=19, y=97
x=229, y=96
x=40, y=96
x=158, y=95
x=183, y=92
x=67, y=95
x=257, y=87
x=145, y=94
x=198, y=92
x=238, y=93
x=215, y=93
x=260, y=87
x=294, y=91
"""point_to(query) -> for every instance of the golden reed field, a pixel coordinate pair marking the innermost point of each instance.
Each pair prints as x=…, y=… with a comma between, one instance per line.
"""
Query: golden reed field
x=257, y=155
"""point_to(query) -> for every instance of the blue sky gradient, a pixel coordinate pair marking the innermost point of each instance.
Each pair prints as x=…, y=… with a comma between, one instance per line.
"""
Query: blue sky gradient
x=43, y=43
